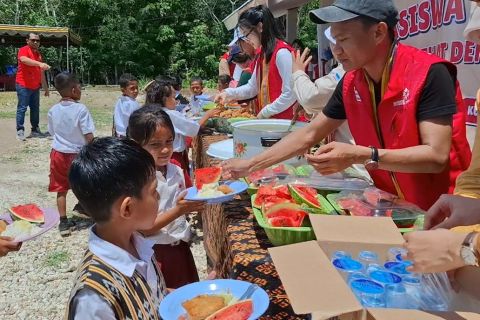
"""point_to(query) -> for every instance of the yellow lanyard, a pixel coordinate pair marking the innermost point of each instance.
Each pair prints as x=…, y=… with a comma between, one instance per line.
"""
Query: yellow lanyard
x=371, y=87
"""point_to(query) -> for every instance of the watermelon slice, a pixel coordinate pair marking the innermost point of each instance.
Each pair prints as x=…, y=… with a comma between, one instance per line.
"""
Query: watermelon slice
x=273, y=200
x=305, y=195
x=283, y=169
x=268, y=196
x=263, y=193
x=355, y=207
x=377, y=197
x=283, y=192
x=28, y=212
x=238, y=311
x=285, y=215
x=207, y=176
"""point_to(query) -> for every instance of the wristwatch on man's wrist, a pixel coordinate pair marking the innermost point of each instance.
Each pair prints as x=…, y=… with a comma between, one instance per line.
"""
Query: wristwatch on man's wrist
x=372, y=163
x=468, y=251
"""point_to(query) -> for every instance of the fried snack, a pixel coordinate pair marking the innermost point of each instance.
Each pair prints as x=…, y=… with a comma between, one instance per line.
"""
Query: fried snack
x=3, y=226
x=225, y=189
x=200, y=307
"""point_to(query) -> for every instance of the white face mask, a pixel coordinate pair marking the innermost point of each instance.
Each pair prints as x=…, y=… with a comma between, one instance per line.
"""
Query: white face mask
x=472, y=31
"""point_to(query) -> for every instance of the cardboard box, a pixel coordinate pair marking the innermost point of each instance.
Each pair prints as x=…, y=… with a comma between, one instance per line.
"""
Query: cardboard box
x=314, y=286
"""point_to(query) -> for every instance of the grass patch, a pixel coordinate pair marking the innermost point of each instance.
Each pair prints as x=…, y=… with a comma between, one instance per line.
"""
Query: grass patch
x=55, y=259
x=8, y=114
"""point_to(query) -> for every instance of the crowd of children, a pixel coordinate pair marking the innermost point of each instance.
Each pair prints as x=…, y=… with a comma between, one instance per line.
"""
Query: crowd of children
x=132, y=186
x=140, y=242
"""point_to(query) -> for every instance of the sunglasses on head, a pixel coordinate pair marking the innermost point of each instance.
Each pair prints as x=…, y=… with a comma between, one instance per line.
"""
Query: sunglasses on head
x=35, y=40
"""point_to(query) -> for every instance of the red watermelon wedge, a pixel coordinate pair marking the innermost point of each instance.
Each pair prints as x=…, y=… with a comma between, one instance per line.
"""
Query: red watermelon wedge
x=207, y=176
x=285, y=215
x=241, y=310
x=28, y=212
x=304, y=194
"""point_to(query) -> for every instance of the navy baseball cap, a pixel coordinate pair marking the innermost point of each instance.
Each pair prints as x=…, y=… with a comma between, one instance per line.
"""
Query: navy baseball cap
x=233, y=52
x=343, y=10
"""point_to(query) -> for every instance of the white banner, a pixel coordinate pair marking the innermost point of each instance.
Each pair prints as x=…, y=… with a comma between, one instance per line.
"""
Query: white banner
x=437, y=26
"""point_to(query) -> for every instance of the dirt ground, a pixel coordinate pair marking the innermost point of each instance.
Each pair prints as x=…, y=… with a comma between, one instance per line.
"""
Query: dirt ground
x=36, y=281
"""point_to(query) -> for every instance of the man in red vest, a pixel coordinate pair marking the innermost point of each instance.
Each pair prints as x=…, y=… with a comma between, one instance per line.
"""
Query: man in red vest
x=30, y=77
x=403, y=106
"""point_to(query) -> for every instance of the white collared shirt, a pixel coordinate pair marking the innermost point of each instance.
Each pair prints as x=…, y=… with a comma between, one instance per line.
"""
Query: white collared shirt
x=68, y=123
x=184, y=127
x=170, y=188
x=124, y=107
x=88, y=304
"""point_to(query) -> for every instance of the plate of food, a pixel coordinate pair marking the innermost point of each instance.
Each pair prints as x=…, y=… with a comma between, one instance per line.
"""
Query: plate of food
x=26, y=222
x=214, y=299
x=209, y=188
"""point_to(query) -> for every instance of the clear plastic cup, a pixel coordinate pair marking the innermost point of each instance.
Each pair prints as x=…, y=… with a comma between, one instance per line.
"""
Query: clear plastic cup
x=396, y=253
x=369, y=293
x=368, y=257
x=396, y=296
x=385, y=277
x=346, y=266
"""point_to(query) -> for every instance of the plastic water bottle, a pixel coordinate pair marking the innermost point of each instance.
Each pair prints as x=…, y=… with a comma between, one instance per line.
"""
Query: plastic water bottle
x=355, y=276
x=396, y=253
x=341, y=254
x=398, y=267
x=385, y=277
x=346, y=266
x=368, y=257
x=396, y=296
x=369, y=293
x=413, y=287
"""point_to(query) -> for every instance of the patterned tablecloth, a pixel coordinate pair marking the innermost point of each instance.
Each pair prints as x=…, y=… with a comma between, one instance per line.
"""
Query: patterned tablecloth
x=236, y=245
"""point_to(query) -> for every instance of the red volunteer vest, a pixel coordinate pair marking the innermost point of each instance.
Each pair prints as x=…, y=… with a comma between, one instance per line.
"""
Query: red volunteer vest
x=231, y=65
x=274, y=80
x=399, y=127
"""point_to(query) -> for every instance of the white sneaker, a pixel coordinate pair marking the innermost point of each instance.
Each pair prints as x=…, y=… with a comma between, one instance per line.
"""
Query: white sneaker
x=21, y=135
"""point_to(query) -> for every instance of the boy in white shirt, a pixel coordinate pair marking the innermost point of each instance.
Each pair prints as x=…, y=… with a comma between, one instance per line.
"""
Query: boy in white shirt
x=115, y=182
x=126, y=104
x=71, y=125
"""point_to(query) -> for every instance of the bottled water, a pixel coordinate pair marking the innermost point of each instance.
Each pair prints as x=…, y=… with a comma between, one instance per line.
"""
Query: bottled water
x=385, y=277
x=368, y=257
x=346, y=266
x=395, y=254
x=369, y=293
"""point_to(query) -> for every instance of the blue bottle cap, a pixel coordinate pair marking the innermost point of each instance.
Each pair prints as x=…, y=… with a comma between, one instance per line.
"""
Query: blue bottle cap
x=385, y=277
x=367, y=286
x=397, y=267
x=347, y=264
x=411, y=280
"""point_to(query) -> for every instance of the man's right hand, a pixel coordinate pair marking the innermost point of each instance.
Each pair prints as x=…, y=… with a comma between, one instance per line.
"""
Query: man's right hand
x=44, y=66
x=235, y=168
x=452, y=211
x=221, y=98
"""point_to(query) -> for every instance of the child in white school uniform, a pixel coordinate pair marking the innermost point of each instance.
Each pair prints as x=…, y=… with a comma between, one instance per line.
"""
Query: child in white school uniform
x=71, y=125
x=152, y=128
x=162, y=94
x=125, y=105
x=114, y=180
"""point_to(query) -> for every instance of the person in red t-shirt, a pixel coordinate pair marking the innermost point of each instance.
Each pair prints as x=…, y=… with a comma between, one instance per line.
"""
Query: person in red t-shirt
x=30, y=77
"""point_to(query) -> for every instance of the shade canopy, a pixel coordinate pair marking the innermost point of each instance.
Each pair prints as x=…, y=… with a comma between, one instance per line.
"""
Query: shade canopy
x=50, y=36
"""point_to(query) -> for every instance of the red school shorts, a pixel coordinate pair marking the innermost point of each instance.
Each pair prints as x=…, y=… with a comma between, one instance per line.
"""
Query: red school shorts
x=59, y=166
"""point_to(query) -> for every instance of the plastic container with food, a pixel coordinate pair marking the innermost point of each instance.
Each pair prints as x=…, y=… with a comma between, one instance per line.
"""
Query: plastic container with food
x=377, y=203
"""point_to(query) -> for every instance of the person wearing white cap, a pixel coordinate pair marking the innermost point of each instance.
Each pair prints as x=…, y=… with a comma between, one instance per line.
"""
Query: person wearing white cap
x=270, y=81
x=403, y=106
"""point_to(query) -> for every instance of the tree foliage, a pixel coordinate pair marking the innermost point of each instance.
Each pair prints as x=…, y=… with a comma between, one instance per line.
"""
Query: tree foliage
x=144, y=37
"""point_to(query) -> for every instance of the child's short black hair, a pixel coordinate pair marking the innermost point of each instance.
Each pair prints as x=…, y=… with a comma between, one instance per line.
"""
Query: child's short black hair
x=224, y=79
x=158, y=91
x=64, y=82
x=177, y=83
x=241, y=57
x=107, y=169
x=144, y=122
x=196, y=79
x=125, y=79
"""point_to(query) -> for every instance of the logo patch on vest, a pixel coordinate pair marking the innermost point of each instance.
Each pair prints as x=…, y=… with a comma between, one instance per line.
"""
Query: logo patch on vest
x=405, y=99
x=357, y=95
